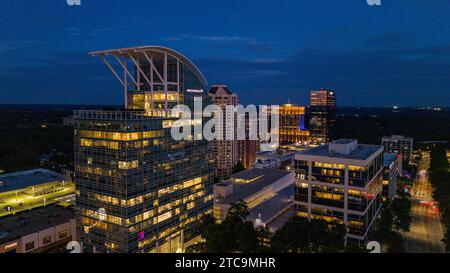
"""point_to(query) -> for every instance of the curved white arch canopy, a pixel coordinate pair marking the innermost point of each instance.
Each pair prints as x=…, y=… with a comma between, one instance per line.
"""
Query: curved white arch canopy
x=142, y=50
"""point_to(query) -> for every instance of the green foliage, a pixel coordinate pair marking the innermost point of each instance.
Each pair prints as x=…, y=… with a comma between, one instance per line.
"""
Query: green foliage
x=239, y=167
x=24, y=158
x=237, y=235
x=401, y=211
x=395, y=243
x=234, y=235
x=439, y=175
x=299, y=235
x=384, y=234
x=20, y=147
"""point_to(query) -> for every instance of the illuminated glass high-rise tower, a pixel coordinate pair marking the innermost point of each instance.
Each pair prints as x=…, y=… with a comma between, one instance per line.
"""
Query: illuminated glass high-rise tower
x=322, y=115
x=139, y=190
x=292, y=124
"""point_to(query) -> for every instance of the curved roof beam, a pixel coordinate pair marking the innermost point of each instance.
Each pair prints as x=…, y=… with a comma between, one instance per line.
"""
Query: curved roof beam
x=125, y=52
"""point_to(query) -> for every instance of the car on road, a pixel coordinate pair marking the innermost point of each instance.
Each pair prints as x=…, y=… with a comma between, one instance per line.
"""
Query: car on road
x=426, y=203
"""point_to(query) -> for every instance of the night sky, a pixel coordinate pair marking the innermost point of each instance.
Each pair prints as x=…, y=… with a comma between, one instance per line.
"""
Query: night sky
x=266, y=51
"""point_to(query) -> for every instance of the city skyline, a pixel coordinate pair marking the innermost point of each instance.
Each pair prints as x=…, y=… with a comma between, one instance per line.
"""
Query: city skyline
x=390, y=56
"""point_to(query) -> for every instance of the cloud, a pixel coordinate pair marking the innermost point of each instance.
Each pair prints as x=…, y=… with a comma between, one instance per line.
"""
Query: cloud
x=100, y=31
x=13, y=45
x=403, y=76
x=247, y=44
x=361, y=76
x=209, y=38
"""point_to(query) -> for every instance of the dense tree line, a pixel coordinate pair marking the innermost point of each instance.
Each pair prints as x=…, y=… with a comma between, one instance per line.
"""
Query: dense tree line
x=394, y=218
x=369, y=125
x=238, y=235
x=20, y=148
x=439, y=175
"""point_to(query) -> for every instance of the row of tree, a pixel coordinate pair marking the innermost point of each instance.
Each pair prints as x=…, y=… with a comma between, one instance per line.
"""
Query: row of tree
x=20, y=147
x=235, y=234
x=395, y=217
x=439, y=175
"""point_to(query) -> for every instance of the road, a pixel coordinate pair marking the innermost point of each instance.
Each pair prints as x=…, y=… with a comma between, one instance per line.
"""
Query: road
x=426, y=229
x=25, y=201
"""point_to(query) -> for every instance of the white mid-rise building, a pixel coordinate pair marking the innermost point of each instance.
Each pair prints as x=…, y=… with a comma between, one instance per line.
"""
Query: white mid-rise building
x=341, y=181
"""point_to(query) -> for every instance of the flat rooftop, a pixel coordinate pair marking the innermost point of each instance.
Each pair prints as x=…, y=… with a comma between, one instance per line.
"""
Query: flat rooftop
x=24, y=179
x=242, y=191
x=344, y=141
x=397, y=137
x=281, y=219
x=249, y=174
x=28, y=222
x=270, y=208
x=362, y=152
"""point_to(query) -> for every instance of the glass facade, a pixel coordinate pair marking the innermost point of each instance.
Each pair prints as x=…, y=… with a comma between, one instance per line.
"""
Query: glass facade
x=138, y=190
x=322, y=115
x=292, y=126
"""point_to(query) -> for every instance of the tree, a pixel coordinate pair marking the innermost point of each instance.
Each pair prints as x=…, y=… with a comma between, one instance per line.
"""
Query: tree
x=401, y=209
x=239, y=167
x=383, y=233
x=234, y=235
x=439, y=175
x=395, y=243
x=299, y=235
x=25, y=158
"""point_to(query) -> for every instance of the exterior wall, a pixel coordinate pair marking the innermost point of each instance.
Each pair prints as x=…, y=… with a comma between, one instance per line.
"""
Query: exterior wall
x=139, y=190
x=37, y=239
x=247, y=148
x=225, y=151
x=399, y=145
x=322, y=115
x=340, y=189
x=390, y=179
x=13, y=246
x=292, y=129
x=247, y=152
x=148, y=187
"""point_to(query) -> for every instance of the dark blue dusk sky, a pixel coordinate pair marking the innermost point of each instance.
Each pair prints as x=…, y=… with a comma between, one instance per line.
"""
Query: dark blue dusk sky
x=266, y=51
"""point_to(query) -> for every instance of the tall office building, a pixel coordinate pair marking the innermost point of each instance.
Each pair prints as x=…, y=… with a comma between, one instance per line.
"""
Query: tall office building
x=322, y=115
x=139, y=190
x=292, y=124
x=225, y=151
x=400, y=145
x=248, y=147
x=341, y=181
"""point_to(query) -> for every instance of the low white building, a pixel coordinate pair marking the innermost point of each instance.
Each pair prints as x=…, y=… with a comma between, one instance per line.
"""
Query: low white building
x=341, y=182
x=267, y=192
